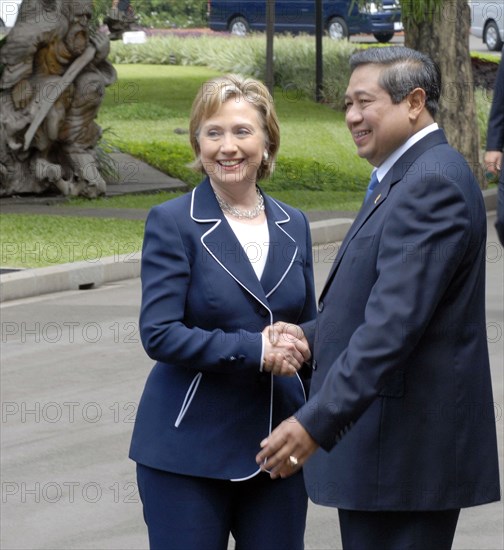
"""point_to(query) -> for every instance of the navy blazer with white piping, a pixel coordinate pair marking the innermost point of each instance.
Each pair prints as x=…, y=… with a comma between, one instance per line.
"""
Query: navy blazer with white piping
x=401, y=398
x=206, y=406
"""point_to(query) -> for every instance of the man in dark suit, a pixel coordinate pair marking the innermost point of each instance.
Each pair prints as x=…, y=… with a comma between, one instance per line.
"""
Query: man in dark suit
x=495, y=145
x=401, y=399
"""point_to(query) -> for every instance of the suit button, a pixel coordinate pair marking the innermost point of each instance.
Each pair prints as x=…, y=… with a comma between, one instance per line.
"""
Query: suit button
x=263, y=312
x=314, y=365
x=321, y=307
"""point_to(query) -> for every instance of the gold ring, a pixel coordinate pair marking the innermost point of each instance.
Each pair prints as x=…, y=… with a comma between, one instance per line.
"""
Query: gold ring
x=293, y=461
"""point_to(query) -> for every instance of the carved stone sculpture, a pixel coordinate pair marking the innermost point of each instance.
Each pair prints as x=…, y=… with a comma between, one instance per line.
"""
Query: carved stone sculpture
x=120, y=18
x=52, y=83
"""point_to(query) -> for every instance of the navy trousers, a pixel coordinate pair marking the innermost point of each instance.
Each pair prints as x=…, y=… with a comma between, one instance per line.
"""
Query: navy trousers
x=398, y=530
x=192, y=513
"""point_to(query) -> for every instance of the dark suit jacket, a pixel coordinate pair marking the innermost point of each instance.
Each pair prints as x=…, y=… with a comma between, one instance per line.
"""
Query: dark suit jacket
x=401, y=399
x=495, y=142
x=206, y=405
x=495, y=131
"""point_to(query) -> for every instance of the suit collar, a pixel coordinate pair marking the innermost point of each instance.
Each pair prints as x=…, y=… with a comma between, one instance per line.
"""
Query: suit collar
x=404, y=167
x=398, y=153
x=221, y=243
x=205, y=208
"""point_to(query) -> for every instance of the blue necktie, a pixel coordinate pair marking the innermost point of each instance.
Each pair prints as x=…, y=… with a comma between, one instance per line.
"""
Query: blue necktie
x=372, y=184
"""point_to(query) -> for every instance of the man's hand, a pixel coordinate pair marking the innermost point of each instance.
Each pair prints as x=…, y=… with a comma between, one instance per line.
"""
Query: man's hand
x=287, y=331
x=493, y=161
x=284, y=354
x=286, y=449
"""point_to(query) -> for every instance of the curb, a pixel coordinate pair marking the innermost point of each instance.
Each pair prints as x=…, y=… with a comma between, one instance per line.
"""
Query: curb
x=74, y=276
x=490, y=199
x=329, y=231
x=86, y=275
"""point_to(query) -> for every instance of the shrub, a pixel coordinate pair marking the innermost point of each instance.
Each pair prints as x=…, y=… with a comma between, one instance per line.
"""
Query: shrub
x=170, y=158
x=294, y=59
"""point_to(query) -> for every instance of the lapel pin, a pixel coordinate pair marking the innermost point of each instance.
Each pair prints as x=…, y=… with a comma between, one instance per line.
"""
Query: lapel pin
x=377, y=198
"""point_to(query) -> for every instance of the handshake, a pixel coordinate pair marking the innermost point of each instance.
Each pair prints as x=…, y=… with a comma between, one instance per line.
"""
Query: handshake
x=286, y=349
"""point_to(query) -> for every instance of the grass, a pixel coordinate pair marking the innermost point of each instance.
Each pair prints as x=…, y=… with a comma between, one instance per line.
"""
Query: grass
x=38, y=241
x=159, y=106
x=311, y=200
x=316, y=153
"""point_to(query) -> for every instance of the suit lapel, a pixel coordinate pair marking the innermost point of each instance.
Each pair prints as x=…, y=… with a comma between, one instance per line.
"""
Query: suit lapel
x=404, y=167
x=282, y=249
x=222, y=245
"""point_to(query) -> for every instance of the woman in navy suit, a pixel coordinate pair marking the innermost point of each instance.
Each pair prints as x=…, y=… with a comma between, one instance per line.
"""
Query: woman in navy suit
x=220, y=265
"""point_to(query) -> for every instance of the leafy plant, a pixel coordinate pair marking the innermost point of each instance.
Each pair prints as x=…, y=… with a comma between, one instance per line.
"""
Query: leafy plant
x=294, y=59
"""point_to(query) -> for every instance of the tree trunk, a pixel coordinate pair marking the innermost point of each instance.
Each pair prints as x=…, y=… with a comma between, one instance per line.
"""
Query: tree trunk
x=443, y=34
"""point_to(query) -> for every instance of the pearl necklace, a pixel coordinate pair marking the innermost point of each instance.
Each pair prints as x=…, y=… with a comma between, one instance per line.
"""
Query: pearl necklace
x=240, y=214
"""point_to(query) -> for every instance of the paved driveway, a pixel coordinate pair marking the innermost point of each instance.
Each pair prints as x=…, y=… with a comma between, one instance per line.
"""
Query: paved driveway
x=71, y=375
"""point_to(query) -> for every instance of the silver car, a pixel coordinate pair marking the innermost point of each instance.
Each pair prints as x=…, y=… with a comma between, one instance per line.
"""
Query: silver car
x=487, y=22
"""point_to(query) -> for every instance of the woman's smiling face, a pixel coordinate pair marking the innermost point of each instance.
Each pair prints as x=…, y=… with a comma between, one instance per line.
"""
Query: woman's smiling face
x=232, y=143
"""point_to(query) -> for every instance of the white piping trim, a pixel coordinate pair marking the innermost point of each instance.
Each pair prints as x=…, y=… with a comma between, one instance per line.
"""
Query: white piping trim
x=302, y=387
x=229, y=272
x=269, y=432
x=287, y=219
x=200, y=219
x=284, y=275
x=189, y=396
x=247, y=477
x=277, y=223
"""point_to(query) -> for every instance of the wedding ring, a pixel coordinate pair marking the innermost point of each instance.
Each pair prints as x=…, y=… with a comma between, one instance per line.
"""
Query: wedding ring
x=293, y=461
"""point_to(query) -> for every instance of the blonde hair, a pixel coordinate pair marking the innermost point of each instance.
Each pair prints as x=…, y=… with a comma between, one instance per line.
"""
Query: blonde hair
x=215, y=92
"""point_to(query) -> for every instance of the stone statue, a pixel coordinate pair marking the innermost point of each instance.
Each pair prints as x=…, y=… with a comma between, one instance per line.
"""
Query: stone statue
x=53, y=77
x=120, y=18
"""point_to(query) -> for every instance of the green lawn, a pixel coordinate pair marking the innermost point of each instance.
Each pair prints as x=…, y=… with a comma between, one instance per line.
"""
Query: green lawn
x=38, y=241
x=146, y=113
x=157, y=99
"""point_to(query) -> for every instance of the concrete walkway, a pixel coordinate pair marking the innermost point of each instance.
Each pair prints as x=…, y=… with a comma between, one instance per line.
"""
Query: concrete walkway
x=73, y=369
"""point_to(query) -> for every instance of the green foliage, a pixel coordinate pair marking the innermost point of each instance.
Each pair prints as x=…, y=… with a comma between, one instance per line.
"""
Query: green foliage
x=487, y=56
x=303, y=199
x=105, y=163
x=316, y=153
x=170, y=158
x=100, y=10
x=312, y=175
x=159, y=13
x=336, y=201
x=294, y=59
x=137, y=201
x=162, y=14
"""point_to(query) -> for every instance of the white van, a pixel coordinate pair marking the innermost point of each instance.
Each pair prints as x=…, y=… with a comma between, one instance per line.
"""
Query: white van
x=487, y=22
x=8, y=13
